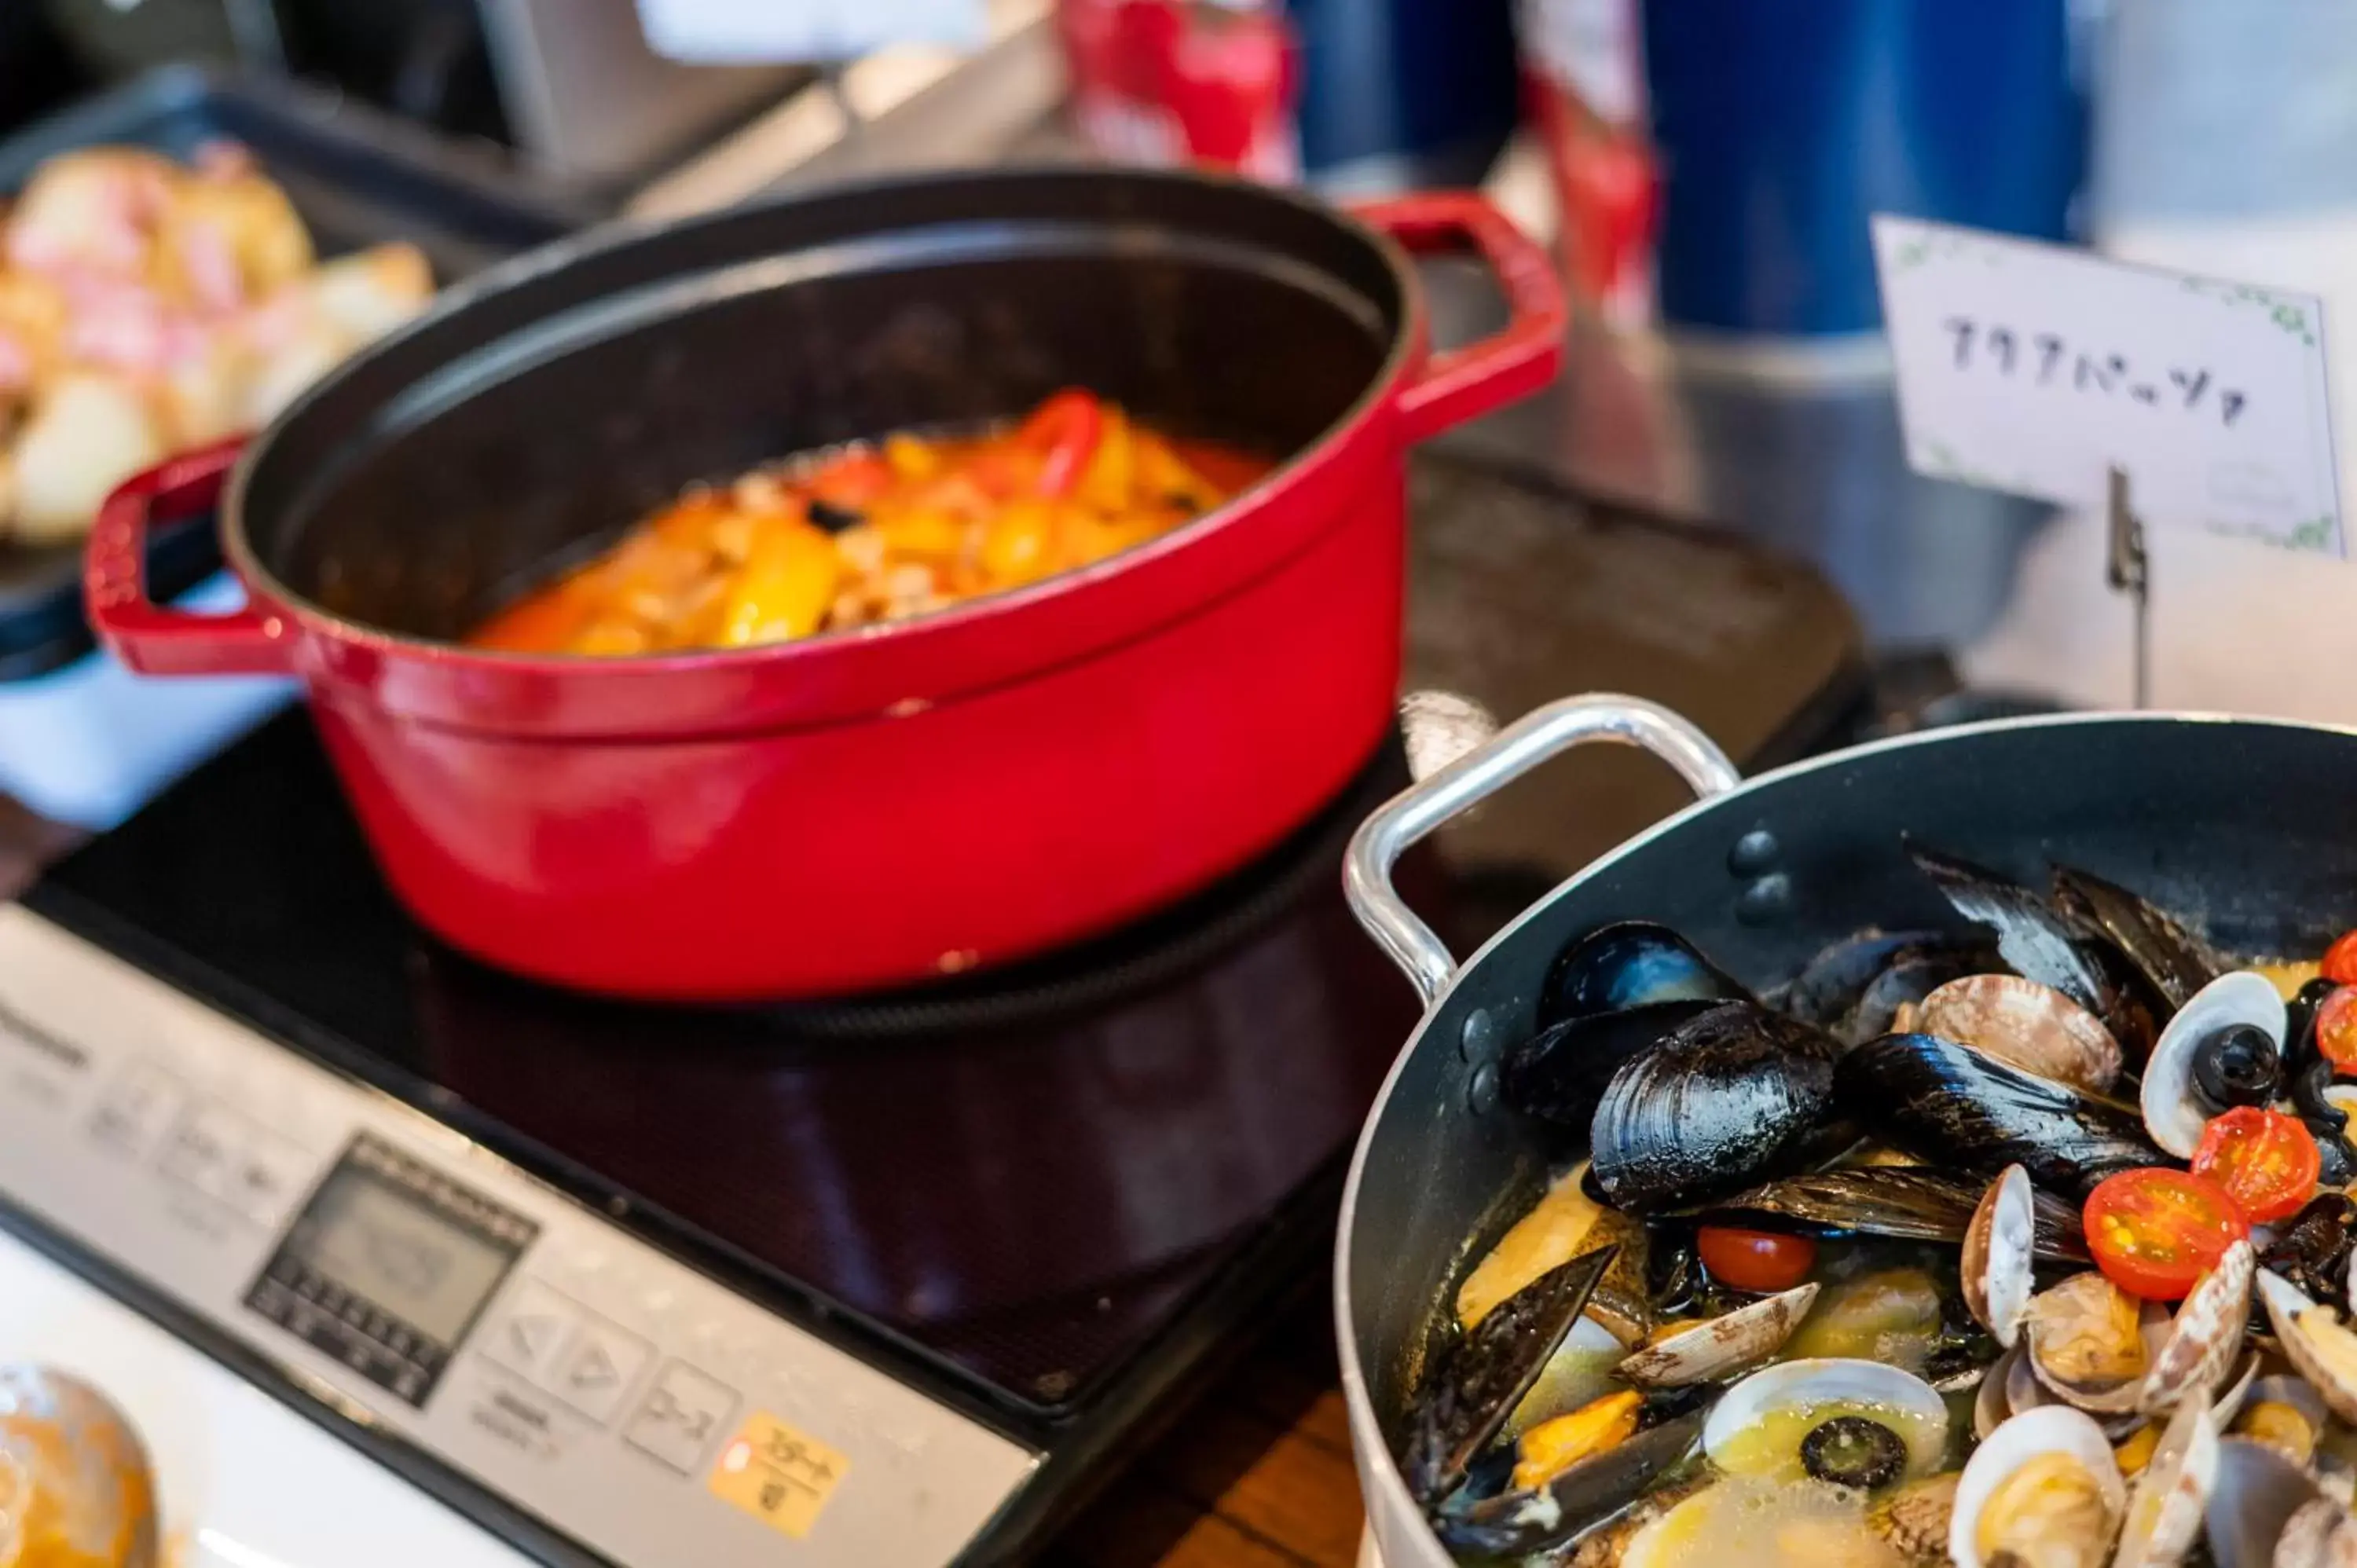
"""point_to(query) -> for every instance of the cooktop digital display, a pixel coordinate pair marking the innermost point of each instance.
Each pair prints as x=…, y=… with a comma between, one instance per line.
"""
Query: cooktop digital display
x=388, y=1266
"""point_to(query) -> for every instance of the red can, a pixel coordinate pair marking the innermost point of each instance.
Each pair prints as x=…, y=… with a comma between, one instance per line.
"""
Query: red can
x=873, y=807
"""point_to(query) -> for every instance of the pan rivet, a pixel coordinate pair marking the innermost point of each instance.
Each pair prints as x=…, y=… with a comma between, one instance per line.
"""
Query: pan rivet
x=1768, y=898
x=1754, y=852
x=1478, y=1043
x=1481, y=1090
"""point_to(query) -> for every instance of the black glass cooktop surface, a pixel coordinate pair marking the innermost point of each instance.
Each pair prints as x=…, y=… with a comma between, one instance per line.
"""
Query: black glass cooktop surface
x=1019, y=1176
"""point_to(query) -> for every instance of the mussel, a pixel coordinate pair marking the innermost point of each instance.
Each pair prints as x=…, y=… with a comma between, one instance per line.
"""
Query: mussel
x=2034, y=941
x=1522, y=1521
x=2174, y=961
x=1830, y=984
x=1737, y=1095
x=1948, y=1103
x=2312, y=1250
x=1629, y=963
x=1911, y=1203
x=1559, y=1073
x=1478, y=1381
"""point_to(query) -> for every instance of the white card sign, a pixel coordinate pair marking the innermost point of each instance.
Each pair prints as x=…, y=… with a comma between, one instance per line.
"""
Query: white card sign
x=731, y=32
x=2037, y=368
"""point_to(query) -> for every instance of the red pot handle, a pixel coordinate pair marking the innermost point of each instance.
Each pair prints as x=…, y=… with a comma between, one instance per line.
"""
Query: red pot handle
x=1466, y=382
x=149, y=637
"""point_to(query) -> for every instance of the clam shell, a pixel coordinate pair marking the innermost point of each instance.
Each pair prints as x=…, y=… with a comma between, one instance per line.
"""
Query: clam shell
x=2166, y=1505
x=2258, y=1490
x=2229, y=1400
x=1999, y=1251
x=1824, y=1380
x=2171, y=1114
x=2319, y=1534
x=2300, y=1395
x=2285, y=1302
x=2048, y=1430
x=1993, y=1403
x=2205, y=1335
x=2110, y=1399
x=2023, y=1024
x=1753, y=1332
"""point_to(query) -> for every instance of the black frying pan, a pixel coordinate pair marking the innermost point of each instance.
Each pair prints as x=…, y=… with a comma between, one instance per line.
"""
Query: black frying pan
x=2248, y=827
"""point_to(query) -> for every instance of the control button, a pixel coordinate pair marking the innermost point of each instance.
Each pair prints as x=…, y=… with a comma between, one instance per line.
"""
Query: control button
x=531, y=1333
x=135, y=1113
x=227, y=1157
x=681, y=1415
x=601, y=1368
x=779, y=1476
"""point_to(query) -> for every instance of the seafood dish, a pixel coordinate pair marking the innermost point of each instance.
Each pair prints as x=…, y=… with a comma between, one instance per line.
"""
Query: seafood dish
x=2025, y=1242
x=877, y=532
x=147, y=307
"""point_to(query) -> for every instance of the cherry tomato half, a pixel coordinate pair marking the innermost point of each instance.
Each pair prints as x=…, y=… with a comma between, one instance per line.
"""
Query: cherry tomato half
x=1755, y=1259
x=2154, y=1231
x=2336, y=1030
x=2266, y=1161
x=2340, y=964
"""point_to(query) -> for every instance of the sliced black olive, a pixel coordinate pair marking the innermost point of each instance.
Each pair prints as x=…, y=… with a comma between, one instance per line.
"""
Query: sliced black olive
x=832, y=517
x=1852, y=1451
x=2299, y=1021
x=2238, y=1065
x=2308, y=1087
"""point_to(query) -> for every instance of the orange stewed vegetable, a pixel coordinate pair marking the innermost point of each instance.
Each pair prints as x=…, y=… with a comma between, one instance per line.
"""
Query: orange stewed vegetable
x=874, y=533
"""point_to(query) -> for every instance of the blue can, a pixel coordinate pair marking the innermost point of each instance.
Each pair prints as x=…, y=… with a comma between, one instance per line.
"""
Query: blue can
x=1782, y=125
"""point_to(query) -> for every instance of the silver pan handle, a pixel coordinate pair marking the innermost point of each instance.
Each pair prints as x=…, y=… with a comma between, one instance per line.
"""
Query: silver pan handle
x=1513, y=751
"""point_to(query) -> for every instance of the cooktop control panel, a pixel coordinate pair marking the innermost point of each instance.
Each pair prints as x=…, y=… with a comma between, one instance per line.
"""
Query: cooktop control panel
x=390, y=1264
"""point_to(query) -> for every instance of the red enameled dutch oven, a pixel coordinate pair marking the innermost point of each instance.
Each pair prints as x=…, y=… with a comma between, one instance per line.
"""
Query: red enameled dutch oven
x=871, y=807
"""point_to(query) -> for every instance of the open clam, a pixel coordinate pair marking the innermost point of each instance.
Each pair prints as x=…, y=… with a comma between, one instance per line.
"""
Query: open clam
x=2026, y=1024
x=2044, y=1490
x=1846, y=1423
x=2285, y=1414
x=2205, y=1335
x=2321, y=1346
x=2092, y=1343
x=1709, y=1350
x=2166, y=1505
x=2257, y=1492
x=1998, y=1255
x=2174, y=1113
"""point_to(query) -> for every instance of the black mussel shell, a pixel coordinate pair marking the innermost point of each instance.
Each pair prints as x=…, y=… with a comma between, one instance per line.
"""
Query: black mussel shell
x=1518, y=1524
x=2312, y=1251
x=1735, y=1097
x=1477, y=1382
x=2036, y=943
x=1631, y=963
x=1559, y=1073
x=1907, y=1203
x=1912, y=975
x=1949, y=1104
x=2174, y=961
x=1831, y=984
x=2238, y=1065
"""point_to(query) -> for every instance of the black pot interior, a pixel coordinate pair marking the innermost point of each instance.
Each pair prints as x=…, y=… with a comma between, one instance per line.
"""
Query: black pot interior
x=507, y=435
x=2250, y=830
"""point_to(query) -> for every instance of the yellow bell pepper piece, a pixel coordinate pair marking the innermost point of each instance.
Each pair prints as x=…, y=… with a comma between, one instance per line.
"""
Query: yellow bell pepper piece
x=787, y=583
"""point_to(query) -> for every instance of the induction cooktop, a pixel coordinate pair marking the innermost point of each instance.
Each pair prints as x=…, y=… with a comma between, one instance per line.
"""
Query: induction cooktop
x=878, y=1279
